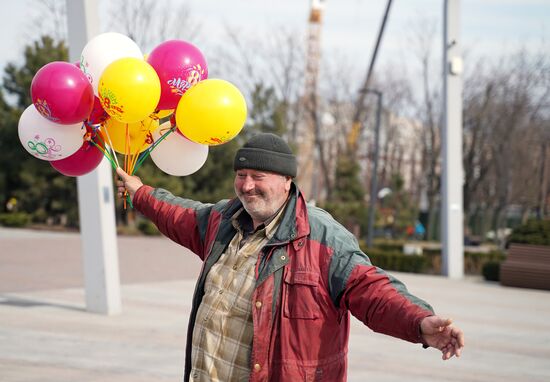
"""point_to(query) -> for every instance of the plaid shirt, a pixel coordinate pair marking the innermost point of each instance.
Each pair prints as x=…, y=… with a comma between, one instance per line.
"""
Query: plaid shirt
x=223, y=332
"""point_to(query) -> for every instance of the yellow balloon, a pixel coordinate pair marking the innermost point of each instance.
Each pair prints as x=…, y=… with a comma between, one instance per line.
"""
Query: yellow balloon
x=140, y=134
x=164, y=113
x=211, y=112
x=129, y=89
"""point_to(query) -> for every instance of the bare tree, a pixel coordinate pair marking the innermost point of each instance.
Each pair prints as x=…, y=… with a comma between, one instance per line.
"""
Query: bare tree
x=275, y=60
x=150, y=22
x=398, y=135
x=147, y=22
x=506, y=120
x=49, y=17
x=429, y=113
x=478, y=110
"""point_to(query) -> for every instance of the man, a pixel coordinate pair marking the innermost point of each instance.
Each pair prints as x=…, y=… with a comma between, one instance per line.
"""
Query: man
x=280, y=278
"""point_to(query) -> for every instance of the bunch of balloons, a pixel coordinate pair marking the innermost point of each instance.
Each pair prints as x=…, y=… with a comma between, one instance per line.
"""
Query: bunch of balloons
x=111, y=103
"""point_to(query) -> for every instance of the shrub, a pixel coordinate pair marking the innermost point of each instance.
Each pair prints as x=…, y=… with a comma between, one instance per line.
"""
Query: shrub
x=491, y=271
x=397, y=261
x=15, y=219
x=535, y=232
x=389, y=245
x=475, y=261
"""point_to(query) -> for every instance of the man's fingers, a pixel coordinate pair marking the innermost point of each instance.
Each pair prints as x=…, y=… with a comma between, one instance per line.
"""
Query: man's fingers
x=457, y=351
x=459, y=335
x=122, y=174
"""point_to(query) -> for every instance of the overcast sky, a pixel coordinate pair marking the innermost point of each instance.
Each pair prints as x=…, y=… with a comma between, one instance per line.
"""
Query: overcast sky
x=489, y=27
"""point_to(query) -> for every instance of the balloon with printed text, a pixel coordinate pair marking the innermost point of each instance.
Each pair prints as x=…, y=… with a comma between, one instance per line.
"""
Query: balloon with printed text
x=48, y=140
x=61, y=93
x=129, y=90
x=98, y=114
x=129, y=138
x=179, y=65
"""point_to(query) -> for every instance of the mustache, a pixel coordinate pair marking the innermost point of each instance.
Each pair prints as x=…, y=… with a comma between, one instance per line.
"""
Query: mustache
x=252, y=193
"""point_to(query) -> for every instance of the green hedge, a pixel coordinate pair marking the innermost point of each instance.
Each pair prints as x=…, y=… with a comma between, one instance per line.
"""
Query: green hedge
x=475, y=261
x=397, y=261
x=389, y=245
x=15, y=219
x=535, y=232
x=429, y=262
x=147, y=228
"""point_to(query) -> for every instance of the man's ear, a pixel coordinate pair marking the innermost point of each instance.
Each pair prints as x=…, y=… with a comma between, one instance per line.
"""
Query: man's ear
x=288, y=183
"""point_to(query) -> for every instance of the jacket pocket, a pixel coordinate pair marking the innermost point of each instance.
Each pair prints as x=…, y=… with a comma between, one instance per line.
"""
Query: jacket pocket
x=301, y=295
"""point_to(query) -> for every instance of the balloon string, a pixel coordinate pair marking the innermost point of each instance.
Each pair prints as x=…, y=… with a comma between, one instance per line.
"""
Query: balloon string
x=126, y=148
x=147, y=141
x=126, y=163
x=94, y=134
x=104, y=147
x=136, y=157
x=138, y=150
x=147, y=152
x=105, y=154
x=106, y=132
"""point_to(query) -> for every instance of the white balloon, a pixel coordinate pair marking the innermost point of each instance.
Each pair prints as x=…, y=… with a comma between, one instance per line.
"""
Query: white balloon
x=177, y=155
x=102, y=50
x=48, y=140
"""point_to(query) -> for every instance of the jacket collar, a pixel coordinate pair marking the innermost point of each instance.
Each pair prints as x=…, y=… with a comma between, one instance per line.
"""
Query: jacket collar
x=294, y=223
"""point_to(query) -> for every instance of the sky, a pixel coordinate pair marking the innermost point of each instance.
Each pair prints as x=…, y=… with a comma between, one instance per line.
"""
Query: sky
x=488, y=27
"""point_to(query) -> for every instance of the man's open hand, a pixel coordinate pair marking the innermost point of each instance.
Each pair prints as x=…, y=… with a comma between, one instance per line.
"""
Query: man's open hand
x=439, y=333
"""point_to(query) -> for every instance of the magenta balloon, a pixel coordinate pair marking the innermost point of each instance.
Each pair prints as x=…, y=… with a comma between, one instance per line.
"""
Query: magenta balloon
x=98, y=114
x=179, y=66
x=85, y=160
x=61, y=93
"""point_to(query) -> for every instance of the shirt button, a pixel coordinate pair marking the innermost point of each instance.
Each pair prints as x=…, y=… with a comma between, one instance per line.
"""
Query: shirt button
x=196, y=375
x=258, y=304
x=283, y=257
x=235, y=267
x=257, y=367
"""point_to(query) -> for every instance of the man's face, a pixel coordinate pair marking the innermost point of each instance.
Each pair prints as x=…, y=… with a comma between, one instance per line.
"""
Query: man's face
x=262, y=193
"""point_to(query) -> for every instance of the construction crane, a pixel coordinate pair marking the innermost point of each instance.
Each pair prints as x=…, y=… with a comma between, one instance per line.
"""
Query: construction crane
x=306, y=132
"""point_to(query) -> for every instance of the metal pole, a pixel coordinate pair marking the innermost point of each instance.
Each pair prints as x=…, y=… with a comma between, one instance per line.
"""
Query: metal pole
x=356, y=122
x=451, y=143
x=95, y=191
x=374, y=174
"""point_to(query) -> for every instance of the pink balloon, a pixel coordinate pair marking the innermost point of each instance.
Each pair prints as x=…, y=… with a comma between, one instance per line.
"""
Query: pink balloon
x=85, y=160
x=179, y=66
x=98, y=114
x=61, y=93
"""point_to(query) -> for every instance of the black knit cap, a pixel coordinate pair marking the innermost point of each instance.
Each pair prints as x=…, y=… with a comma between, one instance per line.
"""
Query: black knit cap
x=266, y=152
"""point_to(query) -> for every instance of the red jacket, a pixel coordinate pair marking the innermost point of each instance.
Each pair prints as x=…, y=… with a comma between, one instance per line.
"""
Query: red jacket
x=310, y=276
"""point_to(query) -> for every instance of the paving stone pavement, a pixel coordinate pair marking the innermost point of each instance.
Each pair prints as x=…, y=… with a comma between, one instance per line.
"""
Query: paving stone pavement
x=46, y=334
